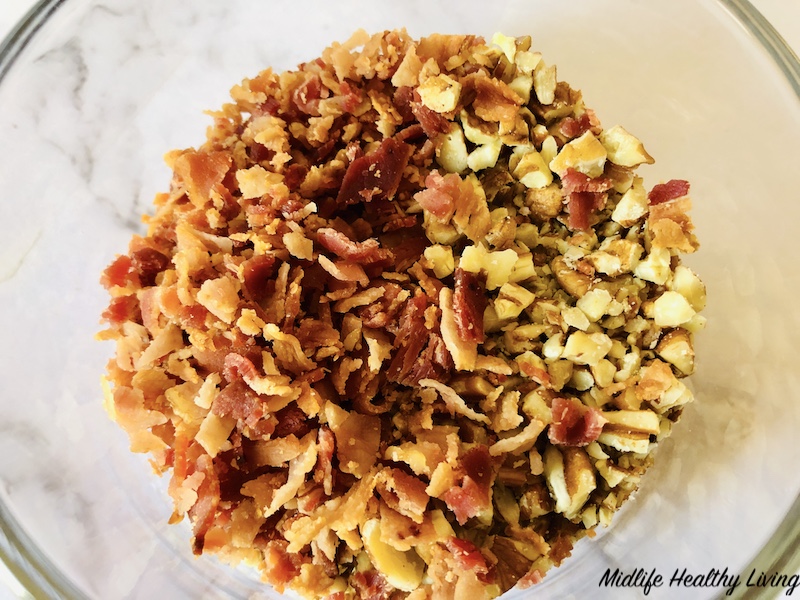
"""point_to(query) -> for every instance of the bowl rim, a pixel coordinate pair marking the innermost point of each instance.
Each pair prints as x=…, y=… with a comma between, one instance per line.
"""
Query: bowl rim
x=40, y=578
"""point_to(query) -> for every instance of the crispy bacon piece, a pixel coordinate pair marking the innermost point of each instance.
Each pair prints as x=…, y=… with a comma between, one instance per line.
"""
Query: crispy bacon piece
x=375, y=175
x=575, y=181
x=363, y=253
x=118, y=273
x=257, y=273
x=573, y=423
x=280, y=566
x=433, y=124
x=580, y=206
x=494, y=100
x=201, y=172
x=306, y=95
x=148, y=263
x=439, y=195
x=469, y=302
x=584, y=196
x=664, y=192
x=402, y=98
x=410, y=339
x=370, y=585
x=472, y=496
x=122, y=309
x=570, y=127
x=237, y=400
x=204, y=509
x=467, y=555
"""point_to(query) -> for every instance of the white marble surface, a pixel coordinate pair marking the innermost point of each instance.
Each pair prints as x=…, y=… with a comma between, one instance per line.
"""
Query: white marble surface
x=785, y=15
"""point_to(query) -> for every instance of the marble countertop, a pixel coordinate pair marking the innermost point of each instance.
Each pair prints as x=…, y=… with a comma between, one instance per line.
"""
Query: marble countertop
x=783, y=14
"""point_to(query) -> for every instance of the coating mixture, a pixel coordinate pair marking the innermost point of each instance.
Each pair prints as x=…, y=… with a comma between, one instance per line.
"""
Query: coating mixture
x=407, y=324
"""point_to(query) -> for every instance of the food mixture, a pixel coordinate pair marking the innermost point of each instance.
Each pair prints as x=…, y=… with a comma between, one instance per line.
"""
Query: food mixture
x=407, y=324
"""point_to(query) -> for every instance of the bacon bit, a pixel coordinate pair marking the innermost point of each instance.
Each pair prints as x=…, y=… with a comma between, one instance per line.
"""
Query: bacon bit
x=469, y=303
x=118, y=273
x=405, y=494
x=494, y=100
x=533, y=577
x=467, y=500
x=306, y=96
x=122, y=309
x=350, y=97
x=280, y=566
x=257, y=273
x=664, y=192
x=434, y=362
x=203, y=511
x=363, y=253
x=375, y=175
x=580, y=206
x=439, y=196
x=411, y=133
x=370, y=585
x=575, y=181
x=433, y=123
x=201, y=171
x=237, y=400
x=403, y=97
x=467, y=555
x=570, y=127
x=148, y=263
x=574, y=424
x=293, y=176
x=410, y=339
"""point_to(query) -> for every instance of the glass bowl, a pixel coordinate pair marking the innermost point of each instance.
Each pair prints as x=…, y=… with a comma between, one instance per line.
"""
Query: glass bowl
x=93, y=93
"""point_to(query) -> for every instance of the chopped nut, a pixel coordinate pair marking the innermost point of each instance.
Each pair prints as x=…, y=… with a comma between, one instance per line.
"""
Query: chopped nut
x=671, y=309
x=440, y=93
x=586, y=349
x=623, y=148
x=511, y=300
x=441, y=257
x=676, y=348
x=585, y=154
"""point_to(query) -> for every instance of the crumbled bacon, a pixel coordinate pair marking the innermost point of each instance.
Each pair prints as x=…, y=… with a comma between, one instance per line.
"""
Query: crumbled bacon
x=570, y=127
x=469, y=304
x=439, y=196
x=364, y=253
x=370, y=585
x=664, y=192
x=580, y=206
x=118, y=272
x=472, y=496
x=468, y=556
x=573, y=423
x=575, y=181
x=375, y=175
x=257, y=273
